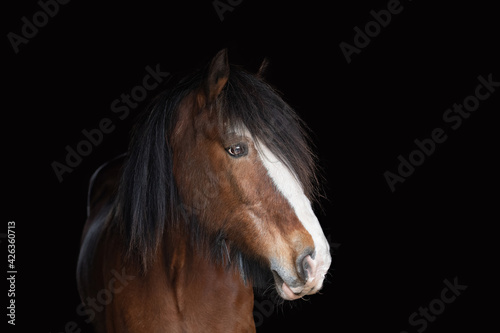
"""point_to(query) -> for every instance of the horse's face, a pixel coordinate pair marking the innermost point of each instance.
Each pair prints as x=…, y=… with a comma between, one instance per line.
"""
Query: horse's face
x=240, y=191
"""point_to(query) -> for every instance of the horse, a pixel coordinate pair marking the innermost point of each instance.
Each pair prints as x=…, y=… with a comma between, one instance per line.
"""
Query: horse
x=213, y=200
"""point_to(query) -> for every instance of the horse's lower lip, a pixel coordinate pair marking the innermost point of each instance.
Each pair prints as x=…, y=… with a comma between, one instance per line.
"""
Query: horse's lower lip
x=290, y=295
x=283, y=289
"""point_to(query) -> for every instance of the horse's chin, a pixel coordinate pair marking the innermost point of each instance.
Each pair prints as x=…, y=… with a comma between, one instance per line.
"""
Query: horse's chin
x=290, y=294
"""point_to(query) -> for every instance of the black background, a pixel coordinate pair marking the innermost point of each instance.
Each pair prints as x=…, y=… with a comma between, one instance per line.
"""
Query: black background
x=393, y=249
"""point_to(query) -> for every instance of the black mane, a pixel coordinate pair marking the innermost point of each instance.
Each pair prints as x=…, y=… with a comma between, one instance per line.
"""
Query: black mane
x=147, y=201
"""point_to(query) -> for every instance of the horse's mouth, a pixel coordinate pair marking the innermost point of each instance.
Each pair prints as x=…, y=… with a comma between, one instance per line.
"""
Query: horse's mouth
x=290, y=293
x=306, y=280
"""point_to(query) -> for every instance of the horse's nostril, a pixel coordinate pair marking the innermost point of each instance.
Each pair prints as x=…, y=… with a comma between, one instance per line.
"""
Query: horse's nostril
x=308, y=268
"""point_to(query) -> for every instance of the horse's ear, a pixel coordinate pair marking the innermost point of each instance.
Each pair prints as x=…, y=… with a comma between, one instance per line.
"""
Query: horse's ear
x=263, y=68
x=217, y=76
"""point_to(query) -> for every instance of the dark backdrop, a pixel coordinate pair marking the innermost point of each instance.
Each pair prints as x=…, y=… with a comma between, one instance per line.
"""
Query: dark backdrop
x=393, y=250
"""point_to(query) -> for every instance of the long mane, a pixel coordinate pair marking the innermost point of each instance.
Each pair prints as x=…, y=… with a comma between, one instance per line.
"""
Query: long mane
x=148, y=205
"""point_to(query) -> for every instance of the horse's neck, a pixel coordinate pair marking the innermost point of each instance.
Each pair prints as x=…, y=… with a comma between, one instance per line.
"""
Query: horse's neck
x=182, y=291
x=205, y=292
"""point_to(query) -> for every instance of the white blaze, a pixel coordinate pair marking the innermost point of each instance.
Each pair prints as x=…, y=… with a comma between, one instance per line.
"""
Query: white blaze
x=291, y=189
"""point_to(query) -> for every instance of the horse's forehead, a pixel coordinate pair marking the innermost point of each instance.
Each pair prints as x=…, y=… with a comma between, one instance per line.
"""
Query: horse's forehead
x=240, y=130
x=281, y=175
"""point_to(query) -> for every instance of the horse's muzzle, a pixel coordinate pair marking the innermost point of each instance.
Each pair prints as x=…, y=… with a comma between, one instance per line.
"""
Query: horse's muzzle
x=306, y=279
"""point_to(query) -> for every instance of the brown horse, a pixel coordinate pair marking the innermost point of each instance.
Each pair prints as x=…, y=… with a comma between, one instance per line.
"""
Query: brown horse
x=212, y=199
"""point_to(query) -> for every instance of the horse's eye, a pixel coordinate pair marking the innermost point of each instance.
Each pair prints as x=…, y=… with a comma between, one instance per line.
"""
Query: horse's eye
x=237, y=150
